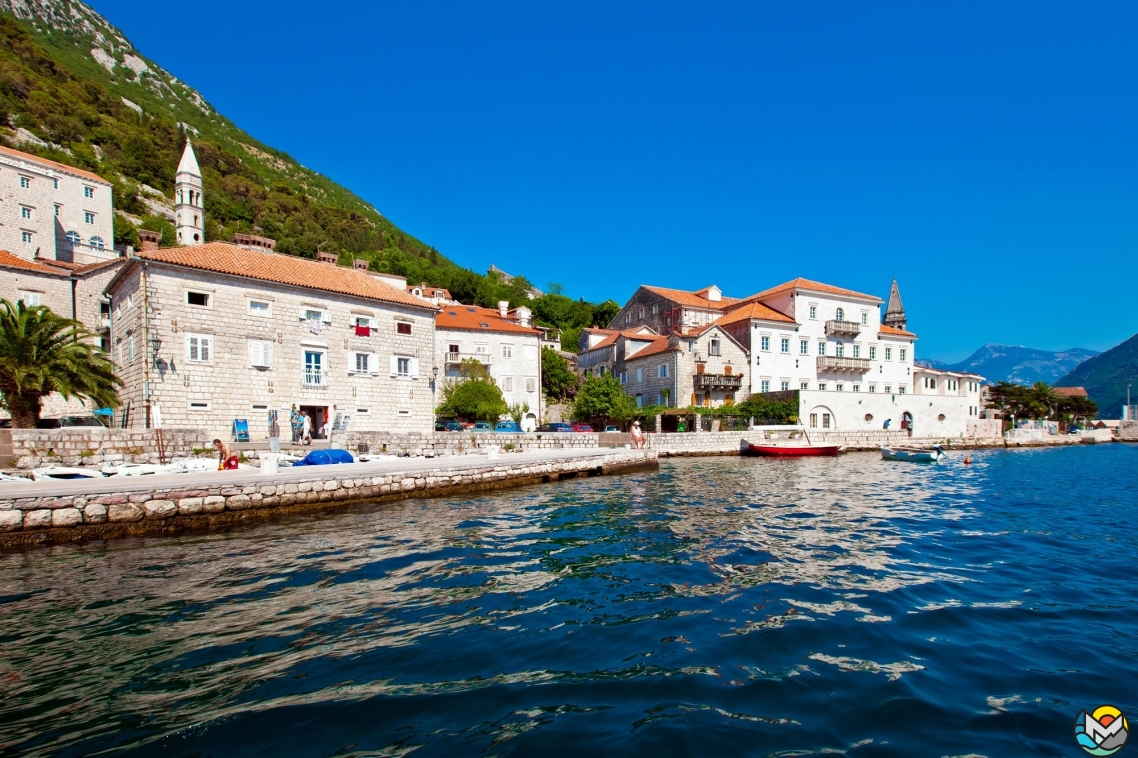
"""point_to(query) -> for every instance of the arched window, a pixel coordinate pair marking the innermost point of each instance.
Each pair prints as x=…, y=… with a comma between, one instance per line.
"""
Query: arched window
x=839, y=315
x=97, y=242
x=74, y=238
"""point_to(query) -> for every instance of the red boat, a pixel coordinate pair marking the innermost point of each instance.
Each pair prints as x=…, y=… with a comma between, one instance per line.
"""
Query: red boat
x=793, y=451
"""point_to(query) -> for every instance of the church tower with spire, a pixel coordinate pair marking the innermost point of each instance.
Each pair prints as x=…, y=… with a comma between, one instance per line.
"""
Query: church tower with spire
x=894, y=311
x=188, y=211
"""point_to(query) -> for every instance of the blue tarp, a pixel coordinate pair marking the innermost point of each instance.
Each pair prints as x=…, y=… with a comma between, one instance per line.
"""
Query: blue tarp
x=324, y=457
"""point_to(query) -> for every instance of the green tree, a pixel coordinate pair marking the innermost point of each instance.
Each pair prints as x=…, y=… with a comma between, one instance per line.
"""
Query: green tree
x=605, y=312
x=602, y=398
x=518, y=411
x=558, y=381
x=42, y=353
x=474, y=400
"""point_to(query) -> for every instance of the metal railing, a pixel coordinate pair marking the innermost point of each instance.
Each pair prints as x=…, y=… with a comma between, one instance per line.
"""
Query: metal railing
x=313, y=377
x=843, y=328
x=718, y=381
x=834, y=363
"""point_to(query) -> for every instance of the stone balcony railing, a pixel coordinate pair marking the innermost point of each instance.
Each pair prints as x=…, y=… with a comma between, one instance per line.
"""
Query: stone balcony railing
x=718, y=381
x=483, y=358
x=843, y=328
x=834, y=363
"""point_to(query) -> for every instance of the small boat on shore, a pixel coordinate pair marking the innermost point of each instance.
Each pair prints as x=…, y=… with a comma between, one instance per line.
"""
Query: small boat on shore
x=914, y=455
x=65, y=472
x=793, y=451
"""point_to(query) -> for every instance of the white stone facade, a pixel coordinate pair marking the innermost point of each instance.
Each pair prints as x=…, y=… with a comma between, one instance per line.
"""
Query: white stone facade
x=54, y=212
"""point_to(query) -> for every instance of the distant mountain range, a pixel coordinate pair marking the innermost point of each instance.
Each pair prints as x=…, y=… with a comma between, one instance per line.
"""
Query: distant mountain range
x=1022, y=365
x=1105, y=377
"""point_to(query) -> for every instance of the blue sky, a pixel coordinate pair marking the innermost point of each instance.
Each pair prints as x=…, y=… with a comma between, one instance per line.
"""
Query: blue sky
x=982, y=153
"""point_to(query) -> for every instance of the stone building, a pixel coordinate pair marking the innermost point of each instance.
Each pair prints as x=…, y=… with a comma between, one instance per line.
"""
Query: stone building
x=206, y=334
x=505, y=342
x=666, y=310
x=702, y=368
x=51, y=211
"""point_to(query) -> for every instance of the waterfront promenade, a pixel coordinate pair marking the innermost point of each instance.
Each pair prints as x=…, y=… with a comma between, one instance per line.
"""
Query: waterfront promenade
x=48, y=512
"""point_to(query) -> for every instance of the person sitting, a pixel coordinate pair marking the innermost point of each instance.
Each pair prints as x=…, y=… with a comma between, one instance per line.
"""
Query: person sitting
x=638, y=440
x=226, y=459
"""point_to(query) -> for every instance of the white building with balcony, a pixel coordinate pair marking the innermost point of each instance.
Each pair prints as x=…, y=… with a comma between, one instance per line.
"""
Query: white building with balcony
x=504, y=341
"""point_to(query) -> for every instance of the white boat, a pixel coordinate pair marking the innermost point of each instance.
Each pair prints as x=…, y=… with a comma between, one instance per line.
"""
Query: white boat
x=57, y=473
x=9, y=478
x=914, y=455
x=135, y=469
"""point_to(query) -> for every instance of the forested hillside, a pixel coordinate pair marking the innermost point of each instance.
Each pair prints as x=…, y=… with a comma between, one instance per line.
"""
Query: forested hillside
x=73, y=89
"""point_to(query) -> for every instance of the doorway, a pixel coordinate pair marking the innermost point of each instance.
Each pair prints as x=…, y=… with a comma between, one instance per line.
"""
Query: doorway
x=318, y=414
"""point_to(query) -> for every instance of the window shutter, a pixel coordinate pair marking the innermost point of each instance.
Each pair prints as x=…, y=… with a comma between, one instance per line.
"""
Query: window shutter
x=254, y=353
x=191, y=347
x=303, y=313
x=394, y=365
x=268, y=349
x=326, y=316
x=414, y=367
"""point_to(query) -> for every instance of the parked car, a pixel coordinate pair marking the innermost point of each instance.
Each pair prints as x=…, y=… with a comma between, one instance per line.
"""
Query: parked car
x=467, y=425
x=81, y=421
x=482, y=426
x=1073, y=429
x=508, y=426
x=611, y=428
x=556, y=426
x=584, y=428
x=448, y=426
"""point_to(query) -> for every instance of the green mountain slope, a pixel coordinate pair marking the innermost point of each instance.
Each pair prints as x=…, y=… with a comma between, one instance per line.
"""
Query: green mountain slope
x=1105, y=377
x=73, y=89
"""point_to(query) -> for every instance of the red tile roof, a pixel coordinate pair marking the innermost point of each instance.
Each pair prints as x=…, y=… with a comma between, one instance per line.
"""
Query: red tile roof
x=894, y=331
x=692, y=299
x=660, y=345
x=472, y=318
x=812, y=286
x=1071, y=391
x=226, y=258
x=7, y=260
x=53, y=164
x=755, y=310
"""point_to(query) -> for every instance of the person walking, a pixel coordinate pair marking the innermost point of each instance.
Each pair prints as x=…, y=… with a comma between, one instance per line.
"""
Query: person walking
x=306, y=429
x=296, y=420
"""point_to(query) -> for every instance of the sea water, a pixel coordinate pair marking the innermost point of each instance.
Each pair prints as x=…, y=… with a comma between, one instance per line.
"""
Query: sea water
x=722, y=606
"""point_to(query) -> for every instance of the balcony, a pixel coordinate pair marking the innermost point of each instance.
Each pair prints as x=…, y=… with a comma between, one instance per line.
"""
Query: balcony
x=718, y=381
x=843, y=328
x=834, y=363
x=455, y=358
x=314, y=377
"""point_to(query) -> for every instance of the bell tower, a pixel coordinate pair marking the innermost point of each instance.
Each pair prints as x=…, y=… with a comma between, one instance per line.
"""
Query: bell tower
x=188, y=210
x=894, y=311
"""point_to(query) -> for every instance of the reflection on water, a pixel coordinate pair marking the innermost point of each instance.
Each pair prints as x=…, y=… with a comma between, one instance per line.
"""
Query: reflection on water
x=843, y=605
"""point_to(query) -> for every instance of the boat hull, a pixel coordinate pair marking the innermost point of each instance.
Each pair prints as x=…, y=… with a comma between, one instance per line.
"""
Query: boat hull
x=794, y=451
x=912, y=456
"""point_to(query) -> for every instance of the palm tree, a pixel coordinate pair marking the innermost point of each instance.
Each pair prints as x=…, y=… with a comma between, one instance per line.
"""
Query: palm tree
x=1043, y=394
x=42, y=353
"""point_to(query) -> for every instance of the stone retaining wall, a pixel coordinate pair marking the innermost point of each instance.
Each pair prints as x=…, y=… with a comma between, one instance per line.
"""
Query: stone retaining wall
x=152, y=507
x=75, y=446
x=1128, y=430
x=437, y=444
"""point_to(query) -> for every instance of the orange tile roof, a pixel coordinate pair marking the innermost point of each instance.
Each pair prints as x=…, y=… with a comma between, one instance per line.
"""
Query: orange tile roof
x=812, y=286
x=892, y=330
x=7, y=260
x=53, y=164
x=661, y=345
x=472, y=318
x=1071, y=391
x=692, y=299
x=226, y=258
x=755, y=310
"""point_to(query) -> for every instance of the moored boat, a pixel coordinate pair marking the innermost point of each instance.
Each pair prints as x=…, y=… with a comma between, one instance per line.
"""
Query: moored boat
x=913, y=455
x=65, y=472
x=793, y=451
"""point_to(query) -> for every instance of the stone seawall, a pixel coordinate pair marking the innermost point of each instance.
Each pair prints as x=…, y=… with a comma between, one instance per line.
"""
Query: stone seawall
x=437, y=444
x=75, y=446
x=40, y=513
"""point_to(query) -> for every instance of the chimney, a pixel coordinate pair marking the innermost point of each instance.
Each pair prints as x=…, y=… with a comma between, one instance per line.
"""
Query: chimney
x=503, y=307
x=359, y=265
x=325, y=257
x=149, y=239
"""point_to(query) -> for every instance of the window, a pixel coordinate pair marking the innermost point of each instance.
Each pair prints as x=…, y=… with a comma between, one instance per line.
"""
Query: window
x=888, y=353
x=765, y=343
x=813, y=420
x=200, y=299
x=199, y=348
x=403, y=366
x=865, y=319
x=362, y=362
x=199, y=405
x=713, y=347
x=804, y=385
x=785, y=344
x=258, y=308
x=888, y=389
x=639, y=401
x=31, y=298
x=901, y=354
x=73, y=238
x=873, y=352
x=840, y=350
x=55, y=184
x=821, y=348
x=825, y=420
x=655, y=309
x=97, y=242
x=857, y=351
x=661, y=399
x=531, y=384
x=88, y=192
x=260, y=353
x=821, y=386
x=25, y=212
x=839, y=315
x=662, y=372
x=26, y=236
x=785, y=385
x=804, y=347
x=901, y=390
x=402, y=327
x=857, y=388
x=640, y=314
x=507, y=351
x=813, y=311
x=873, y=388
x=25, y=182
x=765, y=385
x=839, y=387
x=624, y=377
x=508, y=384
x=639, y=374
x=88, y=217
x=314, y=374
